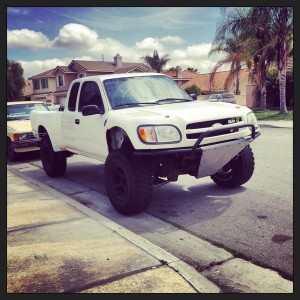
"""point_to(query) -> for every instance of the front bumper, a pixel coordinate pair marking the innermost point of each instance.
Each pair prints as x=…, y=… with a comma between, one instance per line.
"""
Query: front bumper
x=197, y=148
x=211, y=157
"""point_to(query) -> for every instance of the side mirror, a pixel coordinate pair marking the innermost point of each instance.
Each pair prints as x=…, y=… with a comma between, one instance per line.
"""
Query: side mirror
x=194, y=96
x=89, y=110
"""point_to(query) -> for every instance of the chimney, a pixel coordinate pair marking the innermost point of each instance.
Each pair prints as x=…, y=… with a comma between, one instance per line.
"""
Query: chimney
x=178, y=72
x=118, y=60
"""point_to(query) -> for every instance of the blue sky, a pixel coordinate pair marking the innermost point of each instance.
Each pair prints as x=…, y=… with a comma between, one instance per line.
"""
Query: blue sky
x=41, y=38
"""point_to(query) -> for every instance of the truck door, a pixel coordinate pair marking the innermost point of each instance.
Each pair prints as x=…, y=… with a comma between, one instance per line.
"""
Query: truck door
x=90, y=133
x=68, y=116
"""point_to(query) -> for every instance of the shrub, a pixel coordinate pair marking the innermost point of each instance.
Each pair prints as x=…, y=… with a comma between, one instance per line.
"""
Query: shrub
x=193, y=89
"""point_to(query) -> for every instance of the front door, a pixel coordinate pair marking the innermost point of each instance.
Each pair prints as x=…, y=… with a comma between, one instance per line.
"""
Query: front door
x=90, y=132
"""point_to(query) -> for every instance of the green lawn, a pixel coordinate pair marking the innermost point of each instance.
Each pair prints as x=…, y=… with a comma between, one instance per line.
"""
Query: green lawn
x=272, y=114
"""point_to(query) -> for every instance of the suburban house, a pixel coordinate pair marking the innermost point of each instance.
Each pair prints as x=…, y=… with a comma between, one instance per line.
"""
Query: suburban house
x=247, y=89
x=218, y=84
x=27, y=90
x=52, y=86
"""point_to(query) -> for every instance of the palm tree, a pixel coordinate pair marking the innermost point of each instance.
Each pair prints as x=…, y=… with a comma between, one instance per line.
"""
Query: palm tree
x=236, y=54
x=155, y=62
x=284, y=25
x=236, y=36
x=266, y=32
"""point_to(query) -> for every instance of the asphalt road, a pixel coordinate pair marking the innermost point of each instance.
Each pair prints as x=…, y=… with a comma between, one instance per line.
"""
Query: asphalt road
x=254, y=222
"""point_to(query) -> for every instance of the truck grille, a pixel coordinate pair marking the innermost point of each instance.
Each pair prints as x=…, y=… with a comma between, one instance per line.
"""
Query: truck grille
x=194, y=130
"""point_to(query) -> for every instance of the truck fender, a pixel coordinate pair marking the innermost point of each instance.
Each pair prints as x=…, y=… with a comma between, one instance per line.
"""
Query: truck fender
x=117, y=138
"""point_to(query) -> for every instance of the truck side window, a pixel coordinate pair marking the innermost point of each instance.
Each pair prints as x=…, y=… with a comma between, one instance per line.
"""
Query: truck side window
x=90, y=94
x=73, y=96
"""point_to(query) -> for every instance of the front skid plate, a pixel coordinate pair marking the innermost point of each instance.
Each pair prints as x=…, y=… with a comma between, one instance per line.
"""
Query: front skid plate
x=215, y=157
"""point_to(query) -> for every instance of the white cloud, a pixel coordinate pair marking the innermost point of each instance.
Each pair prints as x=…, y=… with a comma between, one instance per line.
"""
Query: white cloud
x=80, y=42
x=17, y=10
x=76, y=37
x=171, y=40
x=27, y=39
x=149, y=44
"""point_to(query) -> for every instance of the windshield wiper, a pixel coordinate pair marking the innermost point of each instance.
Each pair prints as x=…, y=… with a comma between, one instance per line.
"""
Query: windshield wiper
x=170, y=100
x=135, y=104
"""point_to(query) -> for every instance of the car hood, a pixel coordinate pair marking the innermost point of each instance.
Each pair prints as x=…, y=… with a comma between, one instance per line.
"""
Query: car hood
x=188, y=111
x=19, y=125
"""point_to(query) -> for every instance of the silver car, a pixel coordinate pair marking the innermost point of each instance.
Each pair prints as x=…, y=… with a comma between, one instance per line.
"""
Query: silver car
x=227, y=97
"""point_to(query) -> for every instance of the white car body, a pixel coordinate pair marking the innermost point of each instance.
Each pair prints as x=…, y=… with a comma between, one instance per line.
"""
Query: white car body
x=151, y=116
x=19, y=133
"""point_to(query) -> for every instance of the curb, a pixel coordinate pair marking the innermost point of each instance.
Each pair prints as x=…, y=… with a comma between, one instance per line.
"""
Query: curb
x=198, y=281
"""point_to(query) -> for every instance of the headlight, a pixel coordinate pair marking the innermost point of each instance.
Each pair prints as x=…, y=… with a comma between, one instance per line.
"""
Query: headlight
x=159, y=134
x=251, y=118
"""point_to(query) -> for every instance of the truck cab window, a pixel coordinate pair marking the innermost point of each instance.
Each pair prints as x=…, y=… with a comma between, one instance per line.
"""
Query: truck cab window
x=90, y=95
x=73, y=96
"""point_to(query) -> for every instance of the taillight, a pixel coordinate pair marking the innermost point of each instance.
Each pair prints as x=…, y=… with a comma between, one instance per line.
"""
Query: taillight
x=15, y=137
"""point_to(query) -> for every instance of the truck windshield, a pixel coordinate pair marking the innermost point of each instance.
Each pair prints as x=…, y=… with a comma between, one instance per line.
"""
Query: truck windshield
x=22, y=111
x=143, y=89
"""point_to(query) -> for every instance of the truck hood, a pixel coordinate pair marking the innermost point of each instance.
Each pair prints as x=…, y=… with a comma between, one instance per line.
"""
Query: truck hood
x=188, y=111
x=19, y=125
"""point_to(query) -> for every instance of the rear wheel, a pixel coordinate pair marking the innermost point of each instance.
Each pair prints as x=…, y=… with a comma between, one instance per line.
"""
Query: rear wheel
x=54, y=163
x=10, y=151
x=238, y=171
x=128, y=182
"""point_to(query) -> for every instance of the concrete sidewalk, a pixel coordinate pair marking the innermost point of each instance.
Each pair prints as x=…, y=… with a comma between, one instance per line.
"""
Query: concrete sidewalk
x=57, y=245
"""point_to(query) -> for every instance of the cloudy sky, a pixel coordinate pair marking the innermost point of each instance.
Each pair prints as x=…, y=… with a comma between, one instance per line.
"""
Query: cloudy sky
x=41, y=38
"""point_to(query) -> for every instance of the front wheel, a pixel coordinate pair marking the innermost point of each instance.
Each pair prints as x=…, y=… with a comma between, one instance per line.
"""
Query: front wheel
x=238, y=171
x=54, y=163
x=128, y=182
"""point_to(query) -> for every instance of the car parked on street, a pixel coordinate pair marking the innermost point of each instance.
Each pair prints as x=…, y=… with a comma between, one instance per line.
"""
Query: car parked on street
x=227, y=97
x=19, y=133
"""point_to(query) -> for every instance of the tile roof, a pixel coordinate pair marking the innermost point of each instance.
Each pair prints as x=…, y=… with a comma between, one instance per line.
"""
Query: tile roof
x=104, y=66
x=202, y=80
x=44, y=74
x=65, y=69
x=129, y=69
x=184, y=74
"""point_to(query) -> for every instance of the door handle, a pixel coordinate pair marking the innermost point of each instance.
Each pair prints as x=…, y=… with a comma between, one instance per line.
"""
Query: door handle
x=77, y=121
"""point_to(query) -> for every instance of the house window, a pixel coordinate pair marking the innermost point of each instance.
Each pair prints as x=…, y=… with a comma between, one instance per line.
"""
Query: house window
x=80, y=75
x=36, y=84
x=60, y=80
x=44, y=82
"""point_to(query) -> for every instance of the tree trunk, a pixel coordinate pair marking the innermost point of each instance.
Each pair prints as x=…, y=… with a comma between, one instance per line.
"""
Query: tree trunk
x=282, y=90
x=282, y=59
x=263, y=96
x=237, y=83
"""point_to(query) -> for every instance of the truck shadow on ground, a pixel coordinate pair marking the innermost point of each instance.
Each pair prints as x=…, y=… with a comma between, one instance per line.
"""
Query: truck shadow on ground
x=190, y=204
x=186, y=201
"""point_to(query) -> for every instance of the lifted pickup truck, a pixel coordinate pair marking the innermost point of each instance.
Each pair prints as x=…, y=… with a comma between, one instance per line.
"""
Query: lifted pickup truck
x=148, y=131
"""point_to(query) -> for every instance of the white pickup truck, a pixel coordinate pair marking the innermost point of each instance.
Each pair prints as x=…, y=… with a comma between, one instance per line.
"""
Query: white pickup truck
x=148, y=131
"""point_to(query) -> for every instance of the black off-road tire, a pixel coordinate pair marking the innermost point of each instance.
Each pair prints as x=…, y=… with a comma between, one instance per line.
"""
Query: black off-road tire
x=238, y=171
x=10, y=151
x=128, y=182
x=54, y=163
